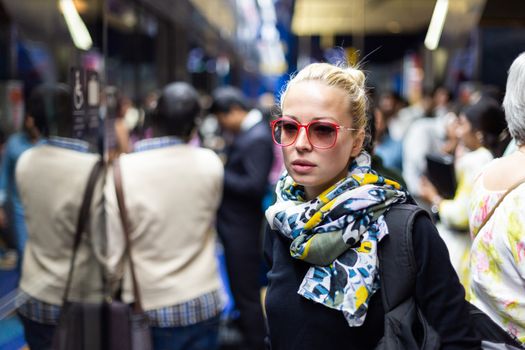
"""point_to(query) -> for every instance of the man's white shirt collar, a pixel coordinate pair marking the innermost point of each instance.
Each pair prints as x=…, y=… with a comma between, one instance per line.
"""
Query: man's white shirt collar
x=253, y=117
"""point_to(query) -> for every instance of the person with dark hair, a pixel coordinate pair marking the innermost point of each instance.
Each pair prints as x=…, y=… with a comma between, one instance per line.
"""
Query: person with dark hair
x=50, y=105
x=239, y=223
x=176, y=111
x=388, y=149
x=172, y=192
x=479, y=129
x=11, y=209
x=442, y=99
x=370, y=144
x=51, y=179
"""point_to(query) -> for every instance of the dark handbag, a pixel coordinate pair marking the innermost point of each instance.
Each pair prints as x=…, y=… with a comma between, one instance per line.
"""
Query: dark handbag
x=442, y=174
x=110, y=324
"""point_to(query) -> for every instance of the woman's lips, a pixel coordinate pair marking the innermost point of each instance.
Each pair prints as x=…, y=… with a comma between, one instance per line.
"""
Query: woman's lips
x=302, y=167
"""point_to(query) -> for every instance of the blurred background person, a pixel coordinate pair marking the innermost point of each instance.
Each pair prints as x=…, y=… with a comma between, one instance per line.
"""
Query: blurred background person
x=172, y=192
x=270, y=111
x=478, y=130
x=442, y=99
x=421, y=108
x=117, y=135
x=8, y=254
x=249, y=159
x=51, y=180
x=390, y=102
x=11, y=209
x=387, y=148
x=370, y=144
x=426, y=136
x=497, y=259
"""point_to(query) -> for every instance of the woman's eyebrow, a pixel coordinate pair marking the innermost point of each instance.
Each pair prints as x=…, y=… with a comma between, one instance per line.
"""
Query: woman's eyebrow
x=290, y=116
x=314, y=118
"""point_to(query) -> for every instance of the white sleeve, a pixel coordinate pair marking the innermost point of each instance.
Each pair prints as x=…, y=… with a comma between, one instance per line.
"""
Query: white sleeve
x=415, y=148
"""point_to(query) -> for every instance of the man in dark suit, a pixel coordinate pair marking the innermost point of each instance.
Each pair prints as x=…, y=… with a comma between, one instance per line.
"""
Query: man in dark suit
x=240, y=218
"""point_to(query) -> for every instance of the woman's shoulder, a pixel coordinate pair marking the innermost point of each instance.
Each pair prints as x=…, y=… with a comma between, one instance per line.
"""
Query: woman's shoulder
x=502, y=173
x=476, y=160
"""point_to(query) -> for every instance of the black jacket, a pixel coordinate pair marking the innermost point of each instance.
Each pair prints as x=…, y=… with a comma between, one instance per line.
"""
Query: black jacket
x=298, y=323
x=249, y=160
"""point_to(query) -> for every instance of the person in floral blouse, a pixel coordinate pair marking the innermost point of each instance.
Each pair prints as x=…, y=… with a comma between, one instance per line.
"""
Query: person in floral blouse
x=497, y=262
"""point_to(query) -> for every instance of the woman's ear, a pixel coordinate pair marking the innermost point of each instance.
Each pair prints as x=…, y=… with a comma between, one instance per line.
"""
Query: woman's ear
x=479, y=137
x=358, y=142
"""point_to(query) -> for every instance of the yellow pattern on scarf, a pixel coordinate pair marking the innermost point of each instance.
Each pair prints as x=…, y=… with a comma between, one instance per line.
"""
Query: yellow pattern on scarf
x=362, y=179
x=361, y=294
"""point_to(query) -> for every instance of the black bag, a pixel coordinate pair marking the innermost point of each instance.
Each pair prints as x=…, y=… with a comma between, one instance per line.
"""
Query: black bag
x=442, y=174
x=405, y=326
x=108, y=325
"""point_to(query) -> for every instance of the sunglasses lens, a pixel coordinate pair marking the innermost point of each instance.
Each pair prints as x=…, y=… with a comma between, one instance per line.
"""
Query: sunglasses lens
x=285, y=132
x=322, y=135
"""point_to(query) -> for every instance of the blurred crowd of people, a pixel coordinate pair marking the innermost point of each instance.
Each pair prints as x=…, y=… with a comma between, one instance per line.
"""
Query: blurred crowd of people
x=198, y=173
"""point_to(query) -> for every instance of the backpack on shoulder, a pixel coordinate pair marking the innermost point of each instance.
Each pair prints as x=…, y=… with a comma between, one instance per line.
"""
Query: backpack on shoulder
x=405, y=326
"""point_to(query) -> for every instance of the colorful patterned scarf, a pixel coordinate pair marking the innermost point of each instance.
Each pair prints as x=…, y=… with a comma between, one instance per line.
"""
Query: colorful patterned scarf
x=337, y=233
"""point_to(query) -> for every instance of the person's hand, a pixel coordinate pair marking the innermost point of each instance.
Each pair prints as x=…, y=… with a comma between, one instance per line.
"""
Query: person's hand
x=428, y=191
x=3, y=218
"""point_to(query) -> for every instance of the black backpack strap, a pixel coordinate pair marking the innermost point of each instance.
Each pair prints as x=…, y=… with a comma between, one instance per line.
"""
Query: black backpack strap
x=397, y=265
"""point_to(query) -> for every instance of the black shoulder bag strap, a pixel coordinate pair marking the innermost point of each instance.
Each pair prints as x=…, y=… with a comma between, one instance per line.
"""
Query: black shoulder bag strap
x=397, y=267
x=82, y=221
x=397, y=271
x=137, y=305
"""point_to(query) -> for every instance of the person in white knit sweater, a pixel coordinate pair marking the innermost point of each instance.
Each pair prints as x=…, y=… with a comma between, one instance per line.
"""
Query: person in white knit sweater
x=172, y=191
x=51, y=179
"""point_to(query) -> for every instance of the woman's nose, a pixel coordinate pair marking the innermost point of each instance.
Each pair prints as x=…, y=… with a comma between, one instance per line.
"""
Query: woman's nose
x=302, y=142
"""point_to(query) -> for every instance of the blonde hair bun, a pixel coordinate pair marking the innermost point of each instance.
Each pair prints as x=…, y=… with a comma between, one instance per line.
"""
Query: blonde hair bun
x=351, y=80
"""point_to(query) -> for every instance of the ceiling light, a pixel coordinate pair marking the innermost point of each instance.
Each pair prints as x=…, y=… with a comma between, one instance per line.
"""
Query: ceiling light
x=436, y=24
x=77, y=29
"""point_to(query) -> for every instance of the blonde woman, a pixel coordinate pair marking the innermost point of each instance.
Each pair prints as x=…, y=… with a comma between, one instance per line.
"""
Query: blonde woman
x=327, y=224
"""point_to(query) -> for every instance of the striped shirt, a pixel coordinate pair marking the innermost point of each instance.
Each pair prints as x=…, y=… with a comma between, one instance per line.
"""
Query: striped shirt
x=37, y=310
x=188, y=313
x=67, y=143
x=157, y=142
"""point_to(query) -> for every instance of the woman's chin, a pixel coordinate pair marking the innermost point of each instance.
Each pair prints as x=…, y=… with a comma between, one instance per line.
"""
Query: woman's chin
x=303, y=180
